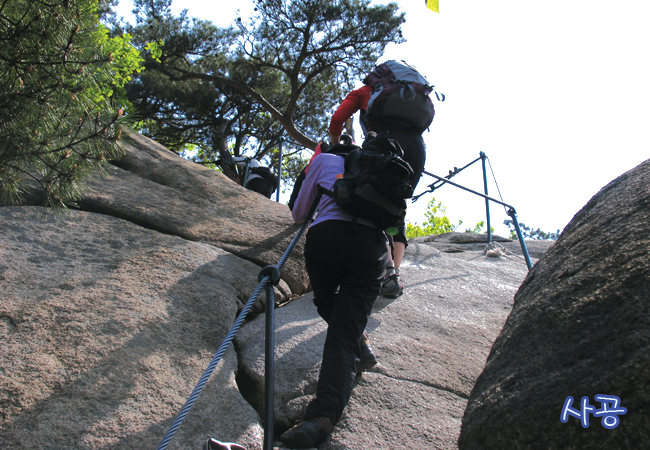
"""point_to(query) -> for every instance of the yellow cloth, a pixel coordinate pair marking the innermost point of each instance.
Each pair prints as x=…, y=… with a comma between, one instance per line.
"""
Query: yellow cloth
x=433, y=5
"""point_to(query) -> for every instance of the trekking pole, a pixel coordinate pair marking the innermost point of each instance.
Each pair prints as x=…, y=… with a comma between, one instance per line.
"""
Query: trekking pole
x=511, y=212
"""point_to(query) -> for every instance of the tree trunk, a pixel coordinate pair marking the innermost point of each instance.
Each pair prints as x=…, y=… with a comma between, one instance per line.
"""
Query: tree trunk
x=220, y=144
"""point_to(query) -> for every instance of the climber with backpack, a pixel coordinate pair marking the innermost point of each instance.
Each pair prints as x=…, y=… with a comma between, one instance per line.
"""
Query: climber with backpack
x=360, y=194
x=396, y=99
x=257, y=178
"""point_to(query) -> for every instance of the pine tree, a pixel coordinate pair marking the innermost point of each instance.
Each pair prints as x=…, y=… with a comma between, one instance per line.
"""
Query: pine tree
x=58, y=122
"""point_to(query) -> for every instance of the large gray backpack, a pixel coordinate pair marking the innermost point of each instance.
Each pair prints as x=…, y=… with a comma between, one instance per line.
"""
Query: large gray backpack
x=400, y=95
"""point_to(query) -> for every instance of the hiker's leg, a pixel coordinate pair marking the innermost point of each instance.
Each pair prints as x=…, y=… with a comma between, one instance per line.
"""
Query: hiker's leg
x=323, y=267
x=391, y=248
x=400, y=249
x=363, y=258
x=392, y=286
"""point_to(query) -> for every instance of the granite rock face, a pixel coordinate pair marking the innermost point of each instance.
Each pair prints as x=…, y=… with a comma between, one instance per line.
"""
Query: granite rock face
x=107, y=326
x=155, y=188
x=580, y=327
x=109, y=316
x=431, y=344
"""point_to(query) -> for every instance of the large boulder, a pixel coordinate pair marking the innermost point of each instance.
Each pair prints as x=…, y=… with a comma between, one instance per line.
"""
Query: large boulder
x=109, y=316
x=580, y=328
x=107, y=326
x=157, y=189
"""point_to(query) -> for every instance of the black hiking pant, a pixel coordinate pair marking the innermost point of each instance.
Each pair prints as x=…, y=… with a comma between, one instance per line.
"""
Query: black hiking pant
x=345, y=263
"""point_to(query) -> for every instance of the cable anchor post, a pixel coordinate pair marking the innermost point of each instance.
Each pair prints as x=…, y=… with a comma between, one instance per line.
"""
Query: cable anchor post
x=513, y=214
x=274, y=276
x=487, y=202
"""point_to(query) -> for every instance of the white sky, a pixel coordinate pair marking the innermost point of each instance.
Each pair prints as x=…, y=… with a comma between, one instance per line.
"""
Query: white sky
x=555, y=93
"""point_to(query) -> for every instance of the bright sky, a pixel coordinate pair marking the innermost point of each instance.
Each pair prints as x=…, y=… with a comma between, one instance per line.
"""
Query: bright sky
x=555, y=93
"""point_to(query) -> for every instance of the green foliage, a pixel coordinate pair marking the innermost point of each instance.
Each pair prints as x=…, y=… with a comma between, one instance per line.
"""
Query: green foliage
x=239, y=90
x=478, y=228
x=436, y=222
x=59, y=69
x=318, y=49
x=529, y=233
x=191, y=116
x=125, y=61
x=155, y=49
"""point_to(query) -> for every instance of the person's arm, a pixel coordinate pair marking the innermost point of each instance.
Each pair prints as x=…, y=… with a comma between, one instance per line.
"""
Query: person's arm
x=308, y=192
x=239, y=161
x=353, y=102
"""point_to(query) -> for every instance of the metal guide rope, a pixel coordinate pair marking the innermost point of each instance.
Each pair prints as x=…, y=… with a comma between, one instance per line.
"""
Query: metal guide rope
x=264, y=281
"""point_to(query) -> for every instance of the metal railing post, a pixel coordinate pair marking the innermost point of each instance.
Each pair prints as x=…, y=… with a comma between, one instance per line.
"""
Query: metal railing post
x=274, y=274
x=268, y=275
x=277, y=193
x=511, y=212
x=269, y=370
x=487, y=202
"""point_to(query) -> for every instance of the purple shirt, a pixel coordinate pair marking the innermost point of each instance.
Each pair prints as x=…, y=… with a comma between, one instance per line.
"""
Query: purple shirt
x=322, y=172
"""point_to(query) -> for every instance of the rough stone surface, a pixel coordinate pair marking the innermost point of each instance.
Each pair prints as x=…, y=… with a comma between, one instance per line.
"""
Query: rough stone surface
x=110, y=315
x=107, y=327
x=580, y=327
x=462, y=242
x=431, y=343
x=157, y=189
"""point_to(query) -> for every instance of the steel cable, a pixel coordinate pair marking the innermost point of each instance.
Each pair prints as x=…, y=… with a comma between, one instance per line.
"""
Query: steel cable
x=233, y=331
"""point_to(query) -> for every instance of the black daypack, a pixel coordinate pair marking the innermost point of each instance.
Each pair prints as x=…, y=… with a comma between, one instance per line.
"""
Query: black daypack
x=267, y=175
x=400, y=94
x=376, y=183
x=342, y=148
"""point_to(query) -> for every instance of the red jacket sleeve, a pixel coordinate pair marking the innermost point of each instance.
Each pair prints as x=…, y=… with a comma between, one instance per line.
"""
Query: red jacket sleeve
x=355, y=100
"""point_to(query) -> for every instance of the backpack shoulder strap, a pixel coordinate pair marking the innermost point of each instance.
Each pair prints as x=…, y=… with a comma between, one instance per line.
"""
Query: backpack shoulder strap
x=326, y=191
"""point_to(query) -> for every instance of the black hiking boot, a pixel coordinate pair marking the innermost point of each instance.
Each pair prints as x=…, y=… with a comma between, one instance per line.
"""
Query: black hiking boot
x=307, y=434
x=368, y=358
x=392, y=286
